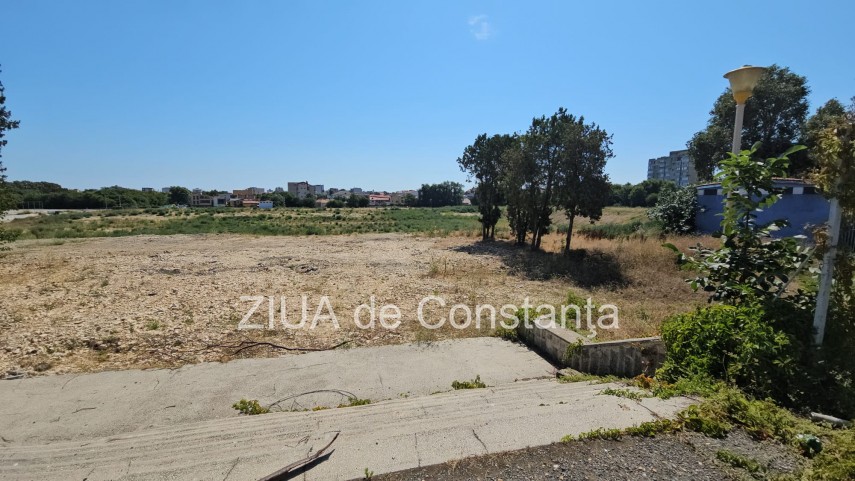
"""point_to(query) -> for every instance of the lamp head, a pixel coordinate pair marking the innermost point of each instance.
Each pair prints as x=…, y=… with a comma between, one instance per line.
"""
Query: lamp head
x=743, y=80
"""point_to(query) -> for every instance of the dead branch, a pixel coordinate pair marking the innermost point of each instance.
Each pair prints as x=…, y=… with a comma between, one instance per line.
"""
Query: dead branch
x=348, y=394
x=280, y=474
x=244, y=345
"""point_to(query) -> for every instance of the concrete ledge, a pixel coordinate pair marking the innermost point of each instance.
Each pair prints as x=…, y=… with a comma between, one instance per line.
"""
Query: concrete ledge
x=565, y=348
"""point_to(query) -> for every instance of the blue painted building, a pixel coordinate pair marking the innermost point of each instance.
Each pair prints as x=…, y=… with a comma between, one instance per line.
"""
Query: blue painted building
x=801, y=204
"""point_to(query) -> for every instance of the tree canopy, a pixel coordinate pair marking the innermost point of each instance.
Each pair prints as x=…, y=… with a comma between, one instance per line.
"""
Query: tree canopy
x=483, y=160
x=558, y=163
x=774, y=116
x=441, y=195
x=6, y=124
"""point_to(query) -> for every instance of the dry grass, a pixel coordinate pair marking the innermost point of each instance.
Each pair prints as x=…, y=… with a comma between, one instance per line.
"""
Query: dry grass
x=92, y=304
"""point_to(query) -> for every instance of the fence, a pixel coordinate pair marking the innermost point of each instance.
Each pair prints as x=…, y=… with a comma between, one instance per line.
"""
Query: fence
x=847, y=234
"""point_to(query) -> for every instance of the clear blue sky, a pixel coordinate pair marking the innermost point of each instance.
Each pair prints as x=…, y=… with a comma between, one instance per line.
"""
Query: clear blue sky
x=380, y=95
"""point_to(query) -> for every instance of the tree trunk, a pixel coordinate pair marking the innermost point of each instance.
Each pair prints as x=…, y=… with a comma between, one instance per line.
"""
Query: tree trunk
x=570, y=219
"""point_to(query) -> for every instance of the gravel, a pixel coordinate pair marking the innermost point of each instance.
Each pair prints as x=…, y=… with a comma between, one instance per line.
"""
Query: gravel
x=681, y=456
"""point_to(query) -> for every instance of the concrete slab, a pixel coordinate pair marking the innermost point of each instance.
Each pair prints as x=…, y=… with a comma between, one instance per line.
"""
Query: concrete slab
x=72, y=407
x=383, y=437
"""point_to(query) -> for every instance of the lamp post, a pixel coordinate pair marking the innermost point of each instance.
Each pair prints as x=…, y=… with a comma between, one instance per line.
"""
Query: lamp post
x=742, y=82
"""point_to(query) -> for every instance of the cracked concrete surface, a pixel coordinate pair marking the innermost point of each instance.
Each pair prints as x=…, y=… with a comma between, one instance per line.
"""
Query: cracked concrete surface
x=110, y=403
x=134, y=434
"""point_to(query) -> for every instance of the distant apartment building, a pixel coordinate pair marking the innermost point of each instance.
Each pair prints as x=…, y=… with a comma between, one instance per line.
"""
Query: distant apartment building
x=677, y=167
x=251, y=193
x=198, y=199
x=164, y=190
x=302, y=189
x=147, y=189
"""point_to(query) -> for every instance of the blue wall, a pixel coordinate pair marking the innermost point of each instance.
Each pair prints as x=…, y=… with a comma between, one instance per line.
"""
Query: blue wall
x=802, y=210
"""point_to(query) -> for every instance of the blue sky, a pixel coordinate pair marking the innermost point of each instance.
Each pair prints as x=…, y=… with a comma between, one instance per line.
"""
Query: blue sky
x=380, y=95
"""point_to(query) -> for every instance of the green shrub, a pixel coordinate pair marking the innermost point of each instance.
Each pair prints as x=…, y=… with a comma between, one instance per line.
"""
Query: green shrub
x=507, y=334
x=732, y=343
x=675, y=210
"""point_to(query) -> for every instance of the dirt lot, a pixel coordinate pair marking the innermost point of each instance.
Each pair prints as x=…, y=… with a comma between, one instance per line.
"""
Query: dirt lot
x=164, y=301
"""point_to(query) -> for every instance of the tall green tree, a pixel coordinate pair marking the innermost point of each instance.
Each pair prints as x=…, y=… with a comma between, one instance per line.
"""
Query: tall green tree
x=6, y=124
x=483, y=160
x=557, y=164
x=179, y=195
x=520, y=185
x=774, y=116
x=584, y=187
x=825, y=117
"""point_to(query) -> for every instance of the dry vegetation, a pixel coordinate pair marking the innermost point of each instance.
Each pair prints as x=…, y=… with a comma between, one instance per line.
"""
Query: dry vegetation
x=163, y=301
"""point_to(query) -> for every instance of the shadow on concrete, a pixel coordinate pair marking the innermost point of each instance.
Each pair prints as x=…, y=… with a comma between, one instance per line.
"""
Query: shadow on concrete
x=586, y=268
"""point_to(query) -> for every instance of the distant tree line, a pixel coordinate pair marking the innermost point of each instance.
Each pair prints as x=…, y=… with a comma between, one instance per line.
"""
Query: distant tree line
x=53, y=196
x=643, y=194
x=440, y=195
x=557, y=164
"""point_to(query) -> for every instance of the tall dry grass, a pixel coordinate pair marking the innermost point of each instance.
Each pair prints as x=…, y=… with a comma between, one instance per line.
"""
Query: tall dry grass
x=653, y=286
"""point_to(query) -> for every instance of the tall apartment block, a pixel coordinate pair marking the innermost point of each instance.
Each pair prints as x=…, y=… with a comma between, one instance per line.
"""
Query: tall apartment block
x=677, y=167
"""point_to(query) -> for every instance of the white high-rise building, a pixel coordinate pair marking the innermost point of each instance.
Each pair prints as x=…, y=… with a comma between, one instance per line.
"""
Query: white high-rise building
x=677, y=167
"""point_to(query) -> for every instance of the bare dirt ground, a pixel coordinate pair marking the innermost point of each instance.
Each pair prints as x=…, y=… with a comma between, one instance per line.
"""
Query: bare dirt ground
x=165, y=301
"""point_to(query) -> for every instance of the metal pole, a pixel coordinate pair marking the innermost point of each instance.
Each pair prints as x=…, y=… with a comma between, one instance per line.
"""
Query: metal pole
x=737, y=129
x=827, y=275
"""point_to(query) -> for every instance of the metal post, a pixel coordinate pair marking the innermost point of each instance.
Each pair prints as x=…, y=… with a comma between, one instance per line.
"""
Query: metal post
x=827, y=275
x=737, y=129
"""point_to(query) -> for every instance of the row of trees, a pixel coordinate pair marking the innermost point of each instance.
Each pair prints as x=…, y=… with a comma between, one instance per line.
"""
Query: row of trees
x=558, y=163
x=776, y=116
x=49, y=195
x=439, y=195
x=643, y=194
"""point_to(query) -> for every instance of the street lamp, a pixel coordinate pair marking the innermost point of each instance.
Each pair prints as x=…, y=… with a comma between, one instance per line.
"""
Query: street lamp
x=742, y=82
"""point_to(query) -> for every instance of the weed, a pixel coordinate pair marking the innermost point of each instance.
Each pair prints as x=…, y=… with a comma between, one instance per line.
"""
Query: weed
x=368, y=475
x=355, y=401
x=250, y=408
x=473, y=384
x=506, y=334
x=624, y=393
x=652, y=428
x=152, y=325
x=738, y=461
x=601, y=433
x=572, y=350
x=703, y=420
x=592, y=378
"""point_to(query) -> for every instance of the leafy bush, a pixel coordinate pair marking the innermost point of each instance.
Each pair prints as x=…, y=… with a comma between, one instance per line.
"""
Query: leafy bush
x=732, y=343
x=748, y=263
x=675, y=210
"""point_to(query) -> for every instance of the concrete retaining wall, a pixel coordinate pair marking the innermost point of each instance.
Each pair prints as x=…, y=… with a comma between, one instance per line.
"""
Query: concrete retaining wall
x=565, y=348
